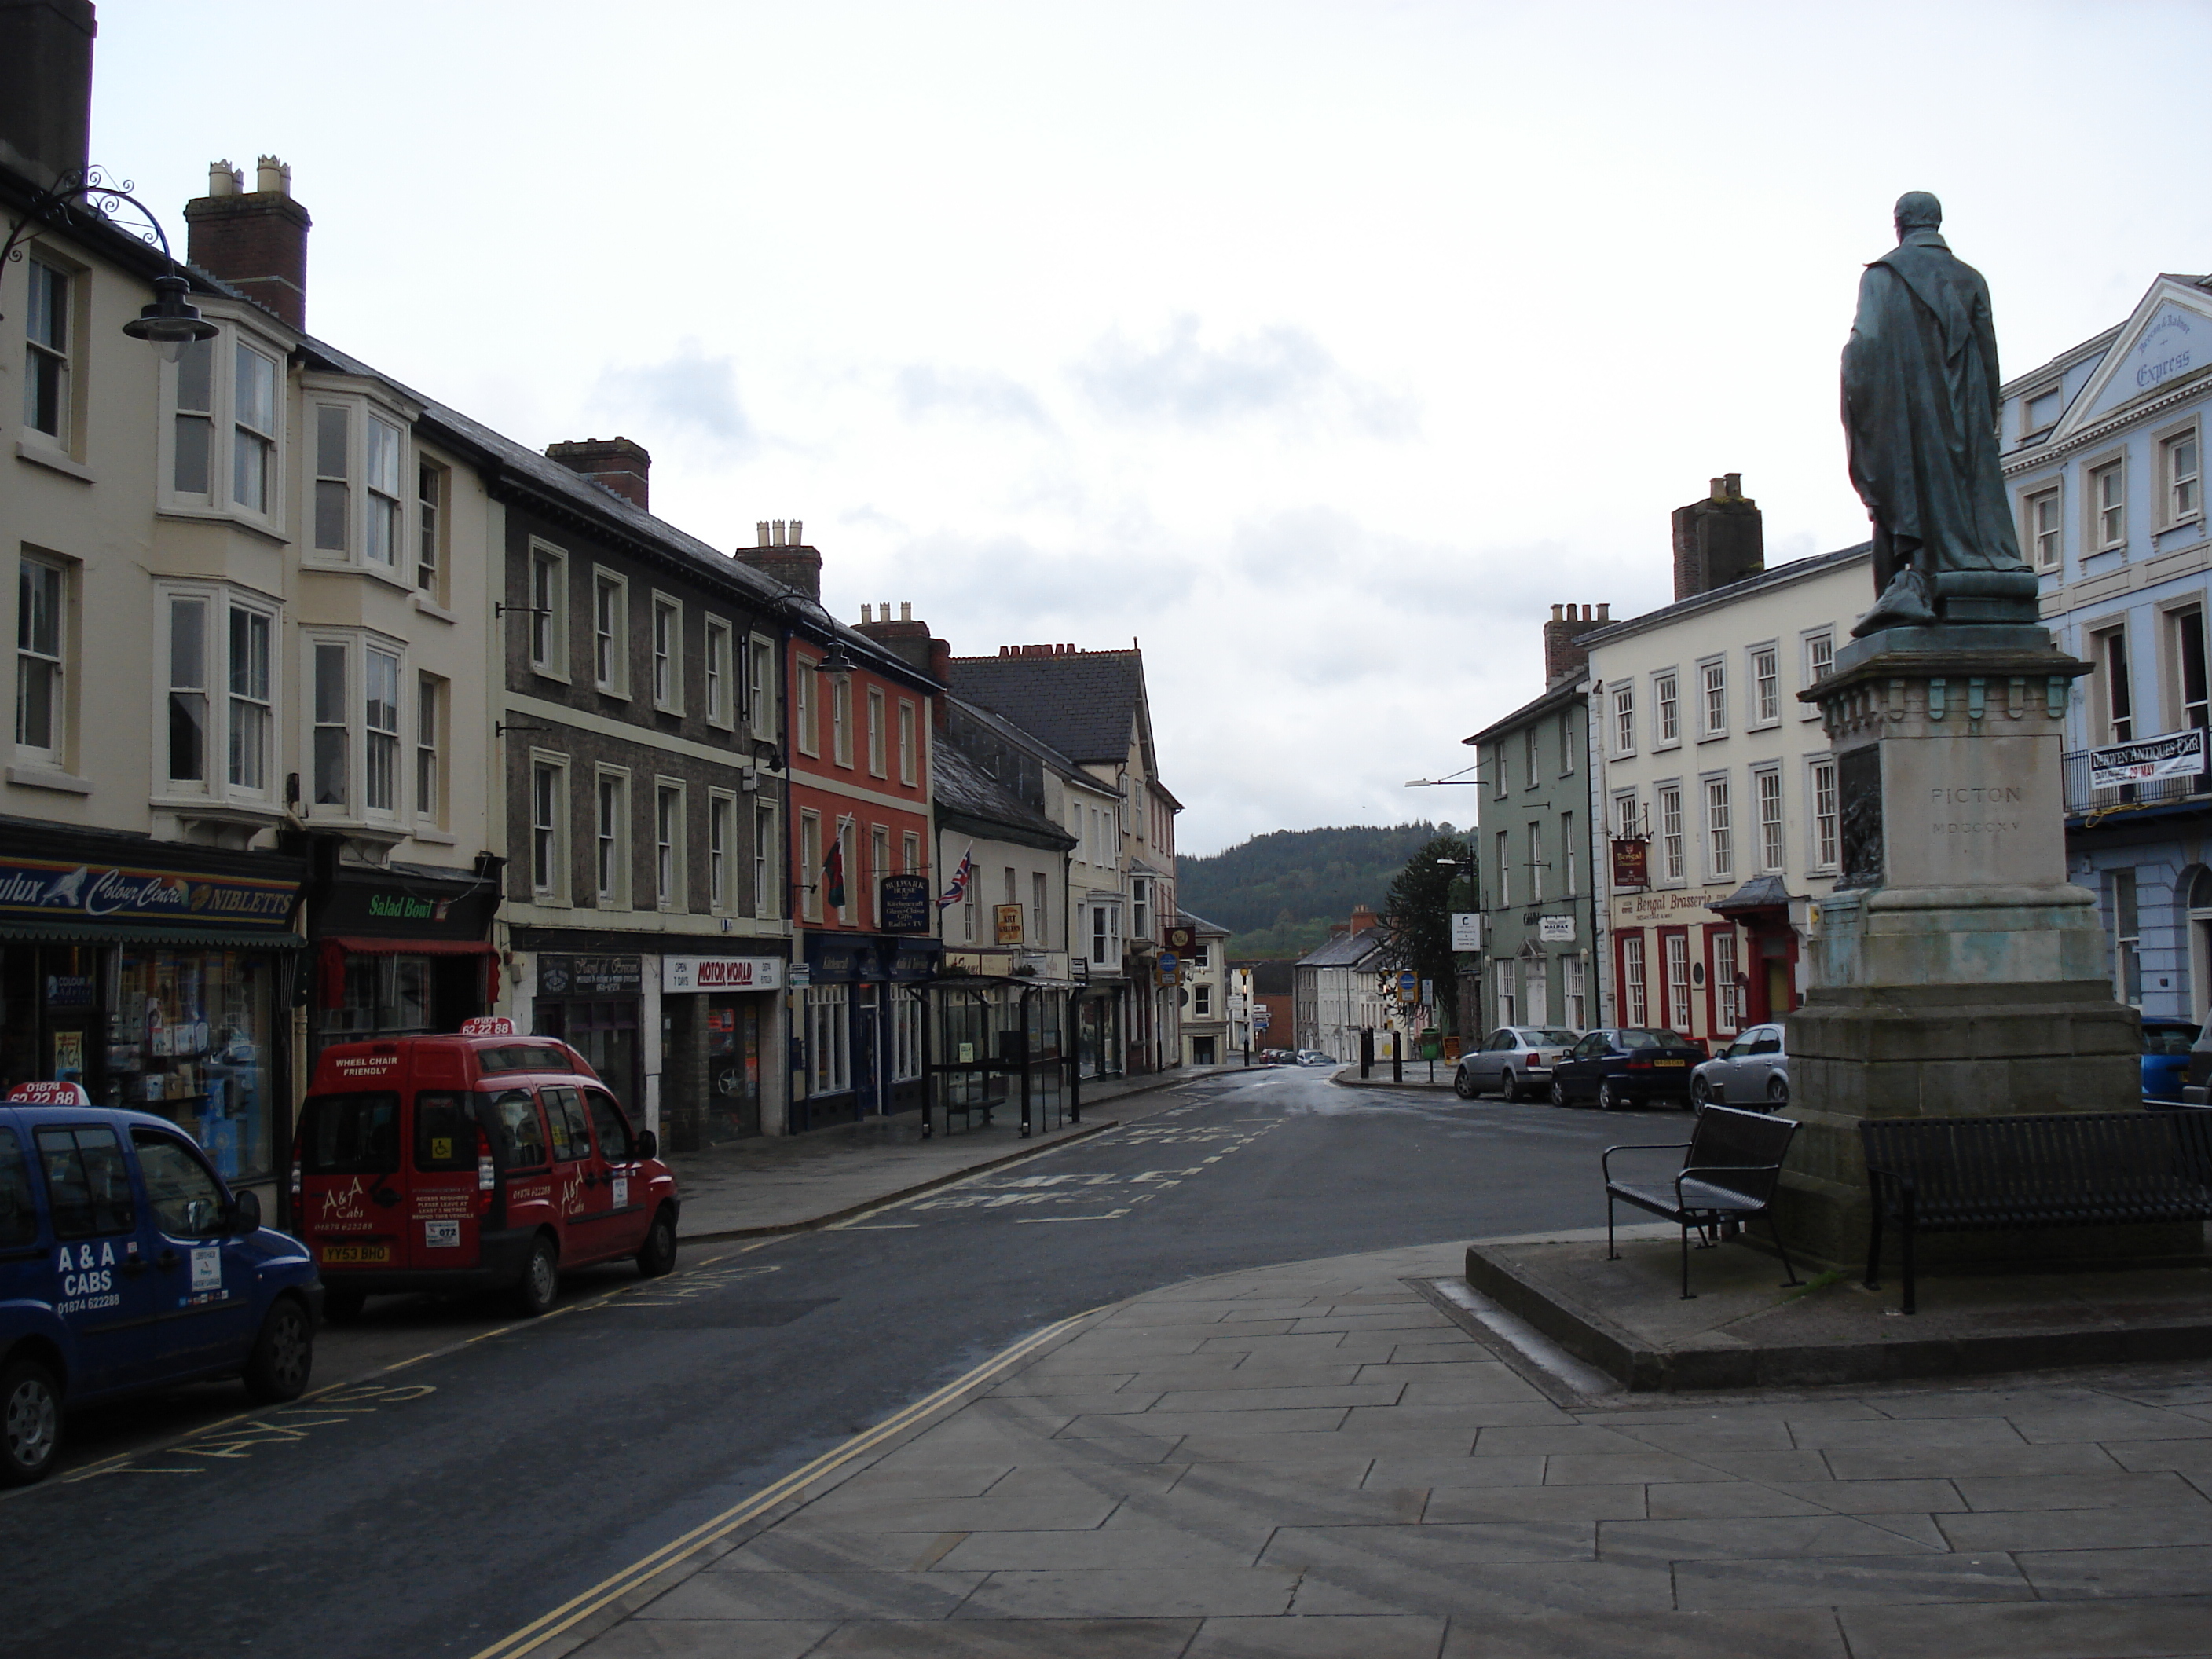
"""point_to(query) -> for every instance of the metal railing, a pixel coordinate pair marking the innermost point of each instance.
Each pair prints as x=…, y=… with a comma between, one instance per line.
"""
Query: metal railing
x=2082, y=801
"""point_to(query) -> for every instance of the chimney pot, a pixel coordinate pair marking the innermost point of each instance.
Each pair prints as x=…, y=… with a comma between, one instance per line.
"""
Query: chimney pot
x=760, y=532
x=906, y=610
x=798, y=535
x=271, y=174
x=1555, y=612
x=775, y=533
x=1605, y=611
x=222, y=179
x=866, y=615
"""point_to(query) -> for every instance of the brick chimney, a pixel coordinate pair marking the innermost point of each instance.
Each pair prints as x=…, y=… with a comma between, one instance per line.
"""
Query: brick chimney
x=620, y=463
x=1563, y=653
x=782, y=554
x=1719, y=540
x=256, y=240
x=906, y=638
x=46, y=87
x=1363, y=919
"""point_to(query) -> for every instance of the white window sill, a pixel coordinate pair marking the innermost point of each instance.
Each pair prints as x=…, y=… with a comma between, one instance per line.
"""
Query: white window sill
x=618, y=693
x=430, y=607
x=1714, y=737
x=57, y=459
x=545, y=673
x=40, y=777
x=674, y=710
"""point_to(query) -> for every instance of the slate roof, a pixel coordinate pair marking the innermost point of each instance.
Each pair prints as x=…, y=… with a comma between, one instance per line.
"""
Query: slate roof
x=1346, y=952
x=1183, y=918
x=1004, y=729
x=963, y=787
x=1796, y=570
x=1558, y=697
x=1083, y=703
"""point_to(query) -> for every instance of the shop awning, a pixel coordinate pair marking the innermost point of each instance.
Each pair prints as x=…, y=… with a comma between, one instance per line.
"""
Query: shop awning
x=205, y=938
x=363, y=946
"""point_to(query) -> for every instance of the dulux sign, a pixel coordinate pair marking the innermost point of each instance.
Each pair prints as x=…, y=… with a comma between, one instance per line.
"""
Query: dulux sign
x=32, y=887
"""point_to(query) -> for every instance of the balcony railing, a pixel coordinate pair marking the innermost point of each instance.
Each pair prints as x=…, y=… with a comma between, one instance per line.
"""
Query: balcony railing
x=2082, y=801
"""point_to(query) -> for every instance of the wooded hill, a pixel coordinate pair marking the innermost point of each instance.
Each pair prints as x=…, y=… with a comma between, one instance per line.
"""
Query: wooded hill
x=1278, y=893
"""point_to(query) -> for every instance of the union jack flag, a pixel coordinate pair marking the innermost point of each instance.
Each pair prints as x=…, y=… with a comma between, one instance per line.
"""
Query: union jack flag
x=961, y=877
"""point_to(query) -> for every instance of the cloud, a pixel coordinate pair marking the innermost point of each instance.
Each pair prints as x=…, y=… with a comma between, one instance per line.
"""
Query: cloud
x=924, y=389
x=688, y=391
x=1282, y=372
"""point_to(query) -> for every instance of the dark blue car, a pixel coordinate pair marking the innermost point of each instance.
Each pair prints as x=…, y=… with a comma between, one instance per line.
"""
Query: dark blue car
x=2165, y=1049
x=126, y=1265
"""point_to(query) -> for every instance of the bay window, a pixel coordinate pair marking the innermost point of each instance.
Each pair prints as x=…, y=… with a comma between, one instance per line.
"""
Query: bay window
x=216, y=657
x=354, y=738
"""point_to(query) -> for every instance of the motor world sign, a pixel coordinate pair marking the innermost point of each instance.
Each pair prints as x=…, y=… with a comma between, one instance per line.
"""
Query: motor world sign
x=689, y=973
x=2176, y=755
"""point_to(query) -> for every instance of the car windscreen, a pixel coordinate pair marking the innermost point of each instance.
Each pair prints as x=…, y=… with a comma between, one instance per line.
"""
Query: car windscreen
x=1549, y=1037
x=2168, y=1039
x=351, y=1133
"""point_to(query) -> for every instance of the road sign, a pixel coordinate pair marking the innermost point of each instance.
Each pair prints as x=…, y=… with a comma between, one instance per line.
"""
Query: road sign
x=1466, y=930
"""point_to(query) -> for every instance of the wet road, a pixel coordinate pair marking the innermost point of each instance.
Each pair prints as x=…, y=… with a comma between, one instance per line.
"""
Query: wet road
x=433, y=1509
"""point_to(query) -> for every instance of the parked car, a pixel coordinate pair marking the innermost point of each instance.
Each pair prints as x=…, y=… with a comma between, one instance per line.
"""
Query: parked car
x=1626, y=1066
x=1753, y=1071
x=486, y=1161
x=2166, y=1047
x=1315, y=1057
x=1514, y=1060
x=127, y=1265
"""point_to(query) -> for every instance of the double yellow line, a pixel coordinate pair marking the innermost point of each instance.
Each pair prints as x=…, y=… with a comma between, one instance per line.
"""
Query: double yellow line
x=574, y=1612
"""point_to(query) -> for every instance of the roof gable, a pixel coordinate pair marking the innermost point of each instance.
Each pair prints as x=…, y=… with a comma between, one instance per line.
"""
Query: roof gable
x=1088, y=705
x=2165, y=340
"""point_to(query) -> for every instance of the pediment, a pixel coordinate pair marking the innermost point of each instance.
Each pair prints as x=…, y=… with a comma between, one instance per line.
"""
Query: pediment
x=2167, y=340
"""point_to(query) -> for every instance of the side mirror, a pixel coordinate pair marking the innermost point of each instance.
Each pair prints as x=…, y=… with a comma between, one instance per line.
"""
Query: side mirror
x=648, y=1144
x=246, y=1213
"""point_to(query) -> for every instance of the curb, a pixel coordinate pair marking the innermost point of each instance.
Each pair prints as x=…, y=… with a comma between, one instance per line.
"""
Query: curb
x=812, y=1222
x=1349, y=1078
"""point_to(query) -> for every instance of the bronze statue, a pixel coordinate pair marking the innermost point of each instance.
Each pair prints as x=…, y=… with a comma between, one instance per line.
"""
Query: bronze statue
x=1920, y=415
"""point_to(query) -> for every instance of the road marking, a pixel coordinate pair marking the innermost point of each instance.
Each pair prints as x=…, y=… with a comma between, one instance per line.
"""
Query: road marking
x=1110, y=1215
x=575, y=1611
x=237, y=1437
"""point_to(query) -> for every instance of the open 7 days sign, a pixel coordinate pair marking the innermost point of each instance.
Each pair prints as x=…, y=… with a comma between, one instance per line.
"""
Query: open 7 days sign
x=721, y=974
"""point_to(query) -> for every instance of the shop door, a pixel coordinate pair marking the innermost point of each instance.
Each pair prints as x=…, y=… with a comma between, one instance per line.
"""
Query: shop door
x=733, y=1067
x=867, y=1070
x=104, y=1283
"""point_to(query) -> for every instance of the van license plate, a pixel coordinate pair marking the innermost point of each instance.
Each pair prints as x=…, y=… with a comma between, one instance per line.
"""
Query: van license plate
x=1670, y=1062
x=337, y=1255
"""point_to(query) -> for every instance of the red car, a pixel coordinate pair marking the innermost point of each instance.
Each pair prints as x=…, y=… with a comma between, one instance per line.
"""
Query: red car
x=484, y=1161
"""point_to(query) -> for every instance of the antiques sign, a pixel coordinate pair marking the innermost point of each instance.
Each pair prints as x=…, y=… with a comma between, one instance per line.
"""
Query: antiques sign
x=2176, y=755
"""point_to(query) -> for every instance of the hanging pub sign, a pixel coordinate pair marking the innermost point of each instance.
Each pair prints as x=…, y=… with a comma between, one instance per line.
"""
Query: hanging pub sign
x=1632, y=862
x=2176, y=755
x=1183, y=940
x=902, y=904
x=1007, y=923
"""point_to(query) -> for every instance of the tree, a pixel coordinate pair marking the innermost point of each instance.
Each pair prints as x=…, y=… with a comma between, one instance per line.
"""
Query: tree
x=1419, y=910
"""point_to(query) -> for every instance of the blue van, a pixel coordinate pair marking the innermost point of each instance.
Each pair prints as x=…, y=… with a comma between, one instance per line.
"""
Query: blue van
x=126, y=1265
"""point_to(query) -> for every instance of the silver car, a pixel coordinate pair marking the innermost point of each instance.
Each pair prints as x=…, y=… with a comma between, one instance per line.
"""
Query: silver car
x=1753, y=1071
x=1514, y=1060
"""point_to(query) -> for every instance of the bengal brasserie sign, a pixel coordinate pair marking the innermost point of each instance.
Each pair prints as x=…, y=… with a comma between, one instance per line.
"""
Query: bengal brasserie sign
x=41, y=890
x=2176, y=755
x=1632, y=862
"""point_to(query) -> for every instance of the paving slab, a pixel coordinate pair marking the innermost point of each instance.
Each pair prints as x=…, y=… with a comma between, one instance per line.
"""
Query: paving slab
x=1743, y=1327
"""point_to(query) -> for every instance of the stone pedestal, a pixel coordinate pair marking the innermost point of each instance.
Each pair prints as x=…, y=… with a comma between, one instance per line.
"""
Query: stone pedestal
x=1955, y=971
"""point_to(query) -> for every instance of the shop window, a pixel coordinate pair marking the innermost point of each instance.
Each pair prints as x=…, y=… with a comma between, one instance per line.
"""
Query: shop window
x=734, y=1067
x=42, y=597
x=1727, y=994
x=382, y=996
x=1678, y=981
x=192, y=1041
x=906, y=1039
x=828, y=1060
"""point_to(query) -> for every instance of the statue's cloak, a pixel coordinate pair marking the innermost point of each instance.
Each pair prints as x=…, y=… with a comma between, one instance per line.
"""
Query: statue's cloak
x=1920, y=414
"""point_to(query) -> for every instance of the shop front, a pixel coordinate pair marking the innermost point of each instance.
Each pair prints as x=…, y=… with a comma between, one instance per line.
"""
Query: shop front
x=1773, y=924
x=596, y=1004
x=723, y=1019
x=1679, y=963
x=154, y=975
x=400, y=951
x=856, y=1041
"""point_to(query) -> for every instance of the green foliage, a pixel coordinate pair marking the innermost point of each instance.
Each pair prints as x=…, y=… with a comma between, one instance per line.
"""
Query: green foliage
x=1288, y=885
x=1419, y=908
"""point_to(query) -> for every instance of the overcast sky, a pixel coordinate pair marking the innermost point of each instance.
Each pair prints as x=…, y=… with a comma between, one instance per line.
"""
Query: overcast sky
x=1321, y=347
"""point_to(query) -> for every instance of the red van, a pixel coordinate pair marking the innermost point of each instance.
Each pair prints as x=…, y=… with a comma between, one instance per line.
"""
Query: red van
x=481, y=1161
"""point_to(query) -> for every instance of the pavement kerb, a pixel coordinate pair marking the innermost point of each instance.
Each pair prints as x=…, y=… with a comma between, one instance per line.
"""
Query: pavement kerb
x=1349, y=1078
x=810, y=1224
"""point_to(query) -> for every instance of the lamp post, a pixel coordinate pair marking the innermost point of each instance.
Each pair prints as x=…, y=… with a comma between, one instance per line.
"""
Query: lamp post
x=1468, y=867
x=171, y=322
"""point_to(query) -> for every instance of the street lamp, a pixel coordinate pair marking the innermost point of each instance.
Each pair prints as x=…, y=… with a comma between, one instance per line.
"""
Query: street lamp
x=838, y=665
x=171, y=322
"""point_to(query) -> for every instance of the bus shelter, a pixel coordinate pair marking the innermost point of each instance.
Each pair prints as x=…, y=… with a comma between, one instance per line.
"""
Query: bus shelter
x=993, y=1043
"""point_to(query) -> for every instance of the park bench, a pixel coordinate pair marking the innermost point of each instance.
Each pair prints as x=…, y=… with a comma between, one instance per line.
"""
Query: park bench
x=2038, y=1169
x=1731, y=1168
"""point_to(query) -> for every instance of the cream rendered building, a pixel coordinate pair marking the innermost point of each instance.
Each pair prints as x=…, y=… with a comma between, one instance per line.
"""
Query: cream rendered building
x=1708, y=768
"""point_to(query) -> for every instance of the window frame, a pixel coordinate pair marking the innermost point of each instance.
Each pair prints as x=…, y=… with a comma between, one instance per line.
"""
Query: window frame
x=665, y=643
x=1718, y=833
x=841, y=722
x=1816, y=647
x=53, y=755
x=1624, y=719
x=760, y=687
x=767, y=860
x=355, y=646
x=64, y=350
x=2029, y=427
x=1773, y=826
x=2034, y=532
x=1674, y=852
x=2180, y=497
x=2106, y=520
x=721, y=852
x=805, y=709
x=1666, y=705
x=1824, y=823
x=811, y=851
x=611, y=877
x=220, y=499
x=670, y=845
x=1712, y=699
x=2112, y=702
x=878, y=765
x=909, y=717
x=364, y=502
x=549, y=631
x=610, y=633
x=432, y=539
x=1763, y=687
x=433, y=728
x=550, y=813
x=717, y=673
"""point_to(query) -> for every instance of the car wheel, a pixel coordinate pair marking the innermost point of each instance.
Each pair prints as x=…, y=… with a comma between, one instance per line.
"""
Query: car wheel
x=283, y=1355
x=342, y=1307
x=1608, y=1097
x=540, y=1285
x=1509, y=1085
x=1778, y=1091
x=30, y=1422
x=1701, y=1094
x=1463, y=1084
x=1559, y=1094
x=658, y=1257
